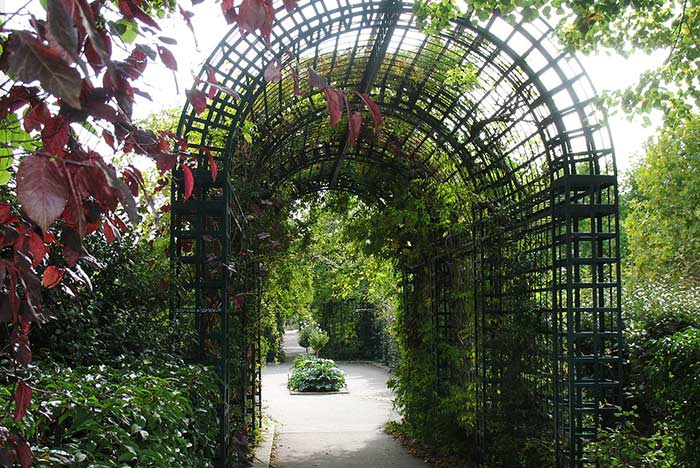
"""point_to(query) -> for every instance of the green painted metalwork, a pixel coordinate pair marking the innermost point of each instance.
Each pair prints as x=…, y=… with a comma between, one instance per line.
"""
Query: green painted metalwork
x=526, y=139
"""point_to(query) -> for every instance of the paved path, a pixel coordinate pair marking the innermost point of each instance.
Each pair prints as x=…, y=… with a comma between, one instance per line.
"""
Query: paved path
x=334, y=431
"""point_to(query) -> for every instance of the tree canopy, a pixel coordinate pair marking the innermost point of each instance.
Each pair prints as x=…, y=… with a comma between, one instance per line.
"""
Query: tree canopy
x=618, y=26
x=663, y=218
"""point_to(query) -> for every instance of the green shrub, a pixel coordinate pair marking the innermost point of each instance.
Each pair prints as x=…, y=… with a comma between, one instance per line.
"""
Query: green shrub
x=626, y=447
x=318, y=340
x=125, y=312
x=663, y=339
x=139, y=414
x=305, y=332
x=312, y=374
x=299, y=361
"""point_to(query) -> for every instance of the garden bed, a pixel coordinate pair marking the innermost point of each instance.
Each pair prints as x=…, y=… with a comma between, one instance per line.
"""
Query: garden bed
x=313, y=375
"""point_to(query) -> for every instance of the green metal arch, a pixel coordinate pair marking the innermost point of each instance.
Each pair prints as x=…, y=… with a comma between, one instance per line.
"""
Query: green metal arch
x=527, y=137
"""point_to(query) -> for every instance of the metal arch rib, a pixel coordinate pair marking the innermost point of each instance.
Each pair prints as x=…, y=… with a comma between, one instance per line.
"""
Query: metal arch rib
x=384, y=32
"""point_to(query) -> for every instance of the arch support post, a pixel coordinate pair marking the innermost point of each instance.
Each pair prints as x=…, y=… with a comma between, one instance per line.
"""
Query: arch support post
x=587, y=315
x=214, y=296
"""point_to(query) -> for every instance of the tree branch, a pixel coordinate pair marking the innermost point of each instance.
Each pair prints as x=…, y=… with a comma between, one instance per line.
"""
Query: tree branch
x=678, y=33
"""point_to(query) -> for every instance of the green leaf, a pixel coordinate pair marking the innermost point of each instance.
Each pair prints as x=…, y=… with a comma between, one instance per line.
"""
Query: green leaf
x=130, y=30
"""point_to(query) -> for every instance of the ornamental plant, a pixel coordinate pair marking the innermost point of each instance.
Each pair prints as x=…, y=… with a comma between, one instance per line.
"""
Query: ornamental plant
x=314, y=374
x=318, y=340
x=305, y=332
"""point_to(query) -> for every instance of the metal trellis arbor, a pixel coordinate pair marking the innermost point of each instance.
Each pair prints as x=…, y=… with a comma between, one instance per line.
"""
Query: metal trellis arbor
x=524, y=136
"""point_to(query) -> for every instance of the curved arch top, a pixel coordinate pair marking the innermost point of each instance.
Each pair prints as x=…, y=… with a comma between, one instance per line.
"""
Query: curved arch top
x=528, y=118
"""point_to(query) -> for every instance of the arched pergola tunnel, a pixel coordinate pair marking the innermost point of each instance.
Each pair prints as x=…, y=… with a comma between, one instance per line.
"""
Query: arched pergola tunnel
x=494, y=111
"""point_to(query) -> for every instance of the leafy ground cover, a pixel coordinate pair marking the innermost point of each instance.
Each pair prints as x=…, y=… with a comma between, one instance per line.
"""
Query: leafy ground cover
x=314, y=374
x=135, y=413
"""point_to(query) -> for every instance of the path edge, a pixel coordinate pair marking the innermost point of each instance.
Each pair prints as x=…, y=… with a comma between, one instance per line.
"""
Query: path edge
x=263, y=453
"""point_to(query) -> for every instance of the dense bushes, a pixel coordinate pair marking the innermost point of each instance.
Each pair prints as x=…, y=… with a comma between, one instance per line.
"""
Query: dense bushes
x=123, y=313
x=135, y=413
x=109, y=389
x=313, y=374
x=662, y=427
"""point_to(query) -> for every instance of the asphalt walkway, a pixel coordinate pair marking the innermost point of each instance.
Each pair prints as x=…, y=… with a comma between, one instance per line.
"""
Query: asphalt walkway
x=333, y=431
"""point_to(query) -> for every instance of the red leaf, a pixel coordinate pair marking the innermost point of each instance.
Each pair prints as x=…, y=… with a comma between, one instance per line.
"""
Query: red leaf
x=133, y=179
x=24, y=454
x=373, y=111
x=108, y=137
x=229, y=12
x=131, y=9
x=36, y=117
x=317, y=80
x=117, y=85
x=212, y=164
x=137, y=62
x=167, y=57
x=117, y=184
x=72, y=246
x=119, y=224
x=98, y=49
x=23, y=396
x=110, y=236
x=103, y=111
x=211, y=74
x=354, y=125
x=189, y=180
x=55, y=135
x=198, y=100
x=165, y=162
x=92, y=180
x=335, y=104
x=273, y=72
x=31, y=60
x=5, y=214
x=7, y=456
x=52, y=277
x=266, y=29
x=125, y=8
x=61, y=28
x=15, y=99
x=37, y=248
x=290, y=5
x=41, y=190
x=251, y=15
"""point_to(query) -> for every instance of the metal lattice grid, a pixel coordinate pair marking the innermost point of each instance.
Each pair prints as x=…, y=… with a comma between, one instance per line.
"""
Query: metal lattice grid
x=526, y=140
